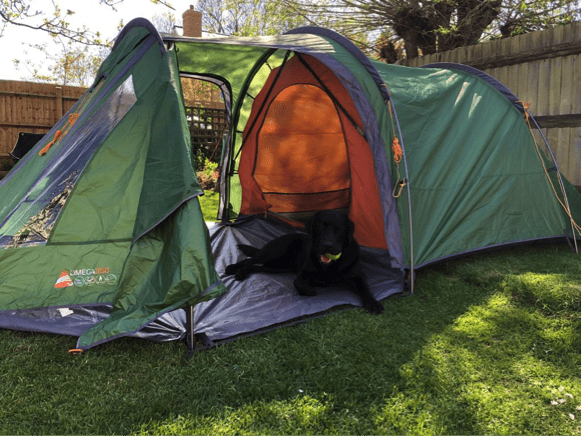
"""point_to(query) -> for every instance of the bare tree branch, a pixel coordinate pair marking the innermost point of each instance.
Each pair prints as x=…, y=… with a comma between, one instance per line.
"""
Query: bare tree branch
x=56, y=22
x=438, y=25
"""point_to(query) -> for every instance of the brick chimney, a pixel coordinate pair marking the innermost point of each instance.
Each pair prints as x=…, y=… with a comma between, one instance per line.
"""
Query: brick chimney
x=192, y=22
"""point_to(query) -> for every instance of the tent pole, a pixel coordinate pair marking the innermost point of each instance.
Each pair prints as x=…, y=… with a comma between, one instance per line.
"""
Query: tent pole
x=190, y=337
x=407, y=177
x=559, y=174
x=229, y=164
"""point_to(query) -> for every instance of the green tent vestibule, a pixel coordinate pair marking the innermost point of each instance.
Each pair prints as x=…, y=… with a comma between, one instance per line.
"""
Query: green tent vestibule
x=101, y=232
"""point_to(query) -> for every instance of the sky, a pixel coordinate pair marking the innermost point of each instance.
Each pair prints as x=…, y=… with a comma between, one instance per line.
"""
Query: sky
x=95, y=16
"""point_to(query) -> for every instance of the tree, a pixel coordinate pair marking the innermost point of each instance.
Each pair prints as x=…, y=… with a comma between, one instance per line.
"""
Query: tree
x=55, y=22
x=165, y=23
x=72, y=64
x=523, y=16
x=79, y=51
x=429, y=26
x=248, y=17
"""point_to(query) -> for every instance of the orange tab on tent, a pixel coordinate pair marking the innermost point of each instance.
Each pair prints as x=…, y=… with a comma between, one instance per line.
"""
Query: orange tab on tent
x=73, y=118
x=526, y=105
x=50, y=144
x=397, y=150
x=60, y=133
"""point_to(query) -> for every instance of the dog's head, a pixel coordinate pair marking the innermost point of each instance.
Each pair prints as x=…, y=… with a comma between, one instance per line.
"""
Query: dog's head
x=331, y=234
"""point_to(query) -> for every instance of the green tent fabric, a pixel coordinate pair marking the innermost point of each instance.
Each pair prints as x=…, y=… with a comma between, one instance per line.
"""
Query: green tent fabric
x=103, y=215
x=110, y=214
x=475, y=179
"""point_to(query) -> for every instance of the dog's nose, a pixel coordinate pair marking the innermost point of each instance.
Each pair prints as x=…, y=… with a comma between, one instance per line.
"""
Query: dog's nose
x=327, y=246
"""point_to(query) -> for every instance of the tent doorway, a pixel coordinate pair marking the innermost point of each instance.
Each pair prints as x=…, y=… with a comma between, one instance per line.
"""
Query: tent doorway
x=302, y=160
x=305, y=149
x=208, y=119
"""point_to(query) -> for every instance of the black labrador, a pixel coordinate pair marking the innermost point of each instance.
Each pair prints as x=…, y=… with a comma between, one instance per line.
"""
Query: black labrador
x=327, y=255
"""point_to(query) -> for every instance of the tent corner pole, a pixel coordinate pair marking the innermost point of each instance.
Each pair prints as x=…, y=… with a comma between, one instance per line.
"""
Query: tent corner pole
x=408, y=193
x=231, y=156
x=190, y=337
x=559, y=176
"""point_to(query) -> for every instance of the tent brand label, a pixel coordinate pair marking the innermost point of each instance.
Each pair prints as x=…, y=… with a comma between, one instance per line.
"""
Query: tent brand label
x=86, y=277
x=88, y=272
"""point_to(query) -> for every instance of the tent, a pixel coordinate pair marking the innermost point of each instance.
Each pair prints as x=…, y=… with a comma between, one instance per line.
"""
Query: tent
x=101, y=232
x=101, y=228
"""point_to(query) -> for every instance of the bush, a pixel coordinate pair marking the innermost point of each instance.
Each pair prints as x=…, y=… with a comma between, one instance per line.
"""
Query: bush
x=208, y=177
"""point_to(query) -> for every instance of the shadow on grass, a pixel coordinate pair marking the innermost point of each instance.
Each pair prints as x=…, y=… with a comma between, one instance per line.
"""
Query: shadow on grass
x=464, y=355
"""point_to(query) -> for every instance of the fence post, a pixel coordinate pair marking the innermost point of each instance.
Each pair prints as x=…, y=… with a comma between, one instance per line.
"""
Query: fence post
x=59, y=104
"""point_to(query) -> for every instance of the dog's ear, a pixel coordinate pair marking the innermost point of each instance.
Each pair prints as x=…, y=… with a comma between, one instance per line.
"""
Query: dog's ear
x=351, y=227
x=309, y=224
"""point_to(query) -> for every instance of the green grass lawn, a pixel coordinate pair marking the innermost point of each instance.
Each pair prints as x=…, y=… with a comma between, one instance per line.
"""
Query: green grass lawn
x=488, y=345
x=209, y=203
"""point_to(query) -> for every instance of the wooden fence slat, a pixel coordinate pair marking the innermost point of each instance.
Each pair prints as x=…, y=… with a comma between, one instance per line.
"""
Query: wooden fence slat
x=555, y=84
x=552, y=135
x=532, y=85
x=563, y=150
x=543, y=98
x=567, y=86
x=514, y=45
x=522, y=88
x=576, y=92
x=573, y=172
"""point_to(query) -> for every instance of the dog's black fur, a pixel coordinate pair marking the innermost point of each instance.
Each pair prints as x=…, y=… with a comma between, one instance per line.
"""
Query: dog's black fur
x=329, y=232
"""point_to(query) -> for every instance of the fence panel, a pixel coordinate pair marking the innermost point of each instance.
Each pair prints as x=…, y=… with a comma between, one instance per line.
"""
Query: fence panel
x=31, y=107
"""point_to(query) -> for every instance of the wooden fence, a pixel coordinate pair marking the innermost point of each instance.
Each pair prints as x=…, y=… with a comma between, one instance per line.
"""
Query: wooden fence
x=207, y=129
x=31, y=107
x=542, y=68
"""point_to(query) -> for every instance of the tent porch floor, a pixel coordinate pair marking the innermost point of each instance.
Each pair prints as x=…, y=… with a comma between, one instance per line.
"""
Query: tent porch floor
x=265, y=301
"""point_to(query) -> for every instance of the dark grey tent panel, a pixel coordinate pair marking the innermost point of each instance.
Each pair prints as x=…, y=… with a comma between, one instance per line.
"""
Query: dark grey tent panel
x=264, y=300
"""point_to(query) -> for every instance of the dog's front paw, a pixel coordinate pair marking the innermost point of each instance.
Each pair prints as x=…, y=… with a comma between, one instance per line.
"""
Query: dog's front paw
x=374, y=307
x=303, y=288
x=308, y=292
x=241, y=274
x=231, y=269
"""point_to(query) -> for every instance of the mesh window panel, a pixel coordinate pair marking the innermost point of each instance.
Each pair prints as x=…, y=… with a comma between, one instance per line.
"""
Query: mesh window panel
x=32, y=220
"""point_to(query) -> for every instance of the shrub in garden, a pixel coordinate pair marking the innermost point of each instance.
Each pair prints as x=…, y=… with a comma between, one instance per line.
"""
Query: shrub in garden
x=208, y=177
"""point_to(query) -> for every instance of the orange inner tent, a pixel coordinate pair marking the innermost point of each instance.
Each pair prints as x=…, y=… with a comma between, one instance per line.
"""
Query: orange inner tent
x=302, y=160
x=302, y=151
